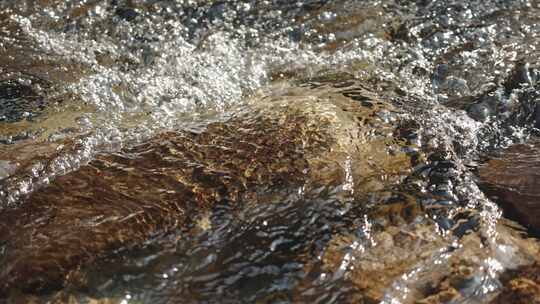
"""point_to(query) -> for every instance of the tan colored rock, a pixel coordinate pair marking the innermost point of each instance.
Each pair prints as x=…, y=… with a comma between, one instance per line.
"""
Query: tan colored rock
x=377, y=265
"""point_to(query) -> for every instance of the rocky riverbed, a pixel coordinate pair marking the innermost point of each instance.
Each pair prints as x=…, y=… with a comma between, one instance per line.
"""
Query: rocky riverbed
x=269, y=151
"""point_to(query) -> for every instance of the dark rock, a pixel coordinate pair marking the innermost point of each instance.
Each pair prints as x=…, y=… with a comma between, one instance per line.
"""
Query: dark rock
x=522, y=75
x=126, y=13
x=512, y=180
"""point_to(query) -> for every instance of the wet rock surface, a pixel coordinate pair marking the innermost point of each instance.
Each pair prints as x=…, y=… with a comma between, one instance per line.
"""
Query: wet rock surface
x=511, y=179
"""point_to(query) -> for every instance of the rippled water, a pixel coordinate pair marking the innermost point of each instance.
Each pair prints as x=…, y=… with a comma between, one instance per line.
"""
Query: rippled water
x=260, y=151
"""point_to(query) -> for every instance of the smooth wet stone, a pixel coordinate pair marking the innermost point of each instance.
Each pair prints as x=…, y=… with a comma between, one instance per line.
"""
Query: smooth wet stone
x=479, y=111
x=511, y=179
x=308, y=138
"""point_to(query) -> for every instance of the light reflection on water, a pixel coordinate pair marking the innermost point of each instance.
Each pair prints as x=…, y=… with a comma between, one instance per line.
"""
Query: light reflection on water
x=132, y=69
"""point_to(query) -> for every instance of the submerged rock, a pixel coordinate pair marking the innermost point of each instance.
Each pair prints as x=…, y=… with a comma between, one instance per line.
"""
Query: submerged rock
x=511, y=179
x=520, y=286
x=408, y=255
x=263, y=152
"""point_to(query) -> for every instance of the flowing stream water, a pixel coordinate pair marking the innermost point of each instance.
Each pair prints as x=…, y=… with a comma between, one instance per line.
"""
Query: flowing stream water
x=96, y=84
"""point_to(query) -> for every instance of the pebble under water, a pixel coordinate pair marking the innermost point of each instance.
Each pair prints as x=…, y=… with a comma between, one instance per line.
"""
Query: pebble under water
x=311, y=151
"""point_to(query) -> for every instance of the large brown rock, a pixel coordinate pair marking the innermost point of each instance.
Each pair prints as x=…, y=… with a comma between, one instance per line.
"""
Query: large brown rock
x=296, y=139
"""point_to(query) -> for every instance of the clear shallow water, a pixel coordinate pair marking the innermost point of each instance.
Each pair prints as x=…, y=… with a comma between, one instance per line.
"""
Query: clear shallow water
x=97, y=76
